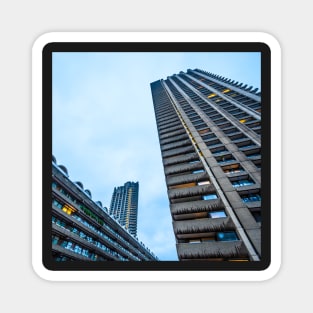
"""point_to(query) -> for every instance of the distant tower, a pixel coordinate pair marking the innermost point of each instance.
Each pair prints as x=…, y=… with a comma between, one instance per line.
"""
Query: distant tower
x=124, y=205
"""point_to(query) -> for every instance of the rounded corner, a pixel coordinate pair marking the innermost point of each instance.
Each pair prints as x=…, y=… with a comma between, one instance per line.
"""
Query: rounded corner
x=270, y=41
x=43, y=41
x=41, y=271
x=271, y=271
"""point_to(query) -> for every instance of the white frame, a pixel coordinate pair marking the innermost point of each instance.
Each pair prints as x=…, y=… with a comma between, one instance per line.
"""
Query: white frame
x=97, y=275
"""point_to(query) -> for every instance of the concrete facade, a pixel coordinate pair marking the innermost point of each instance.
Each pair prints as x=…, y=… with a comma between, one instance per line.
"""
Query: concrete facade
x=124, y=205
x=83, y=230
x=209, y=130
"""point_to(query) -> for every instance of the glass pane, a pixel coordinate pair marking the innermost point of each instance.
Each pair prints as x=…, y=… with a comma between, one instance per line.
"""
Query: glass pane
x=210, y=197
x=217, y=214
x=227, y=236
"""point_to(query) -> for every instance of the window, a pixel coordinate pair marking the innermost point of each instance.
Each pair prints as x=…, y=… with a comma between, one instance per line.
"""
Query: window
x=57, y=204
x=253, y=155
x=68, y=209
x=242, y=182
x=194, y=241
x=198, y=171
x=217, y=214
x=234, y=168
x=257, y=216
x=226, y=236
x=210, y=196
x=218, y=150
x=200, y=183
x=195, y=161
x=209, y=136
x=251, y=197
x=212, y=95
x=204, y=131
x=226, y=158
x=187, y=185
x=55, y=240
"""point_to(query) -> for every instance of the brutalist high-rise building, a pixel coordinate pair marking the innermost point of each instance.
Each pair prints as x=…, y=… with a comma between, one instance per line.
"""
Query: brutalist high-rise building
x=82, y=229
x=210, y=137
x=124, y=205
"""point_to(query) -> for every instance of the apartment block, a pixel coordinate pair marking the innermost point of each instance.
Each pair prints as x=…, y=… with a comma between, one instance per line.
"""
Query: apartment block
x=124, y=205
x=83, y=229
x=209, y=130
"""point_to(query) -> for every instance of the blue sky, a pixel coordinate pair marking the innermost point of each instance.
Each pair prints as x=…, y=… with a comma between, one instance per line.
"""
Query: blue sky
x=104, y=130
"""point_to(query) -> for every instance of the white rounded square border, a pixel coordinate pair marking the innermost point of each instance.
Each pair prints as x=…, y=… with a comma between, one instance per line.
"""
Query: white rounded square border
x=237, y=275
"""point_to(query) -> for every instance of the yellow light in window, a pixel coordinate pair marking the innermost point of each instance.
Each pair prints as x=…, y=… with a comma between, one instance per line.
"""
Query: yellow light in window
x=68, y=209
x=187, y=185
x=211, y=95
x=242, y=121
x=226, y=90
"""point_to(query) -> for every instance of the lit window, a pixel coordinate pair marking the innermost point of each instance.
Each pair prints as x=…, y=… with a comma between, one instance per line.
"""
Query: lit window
x=211, y=95
x=194, y=241
x=217, y=214
x=232, y=168
x=210, y=196
x=226, y=90
x=226, y=236
x=68, y=209
x=204, y=131
x=187, y=185
x=200, y=183
x=242, y=121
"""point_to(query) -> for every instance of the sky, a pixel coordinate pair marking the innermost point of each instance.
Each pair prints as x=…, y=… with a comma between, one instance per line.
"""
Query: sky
x=104, y=130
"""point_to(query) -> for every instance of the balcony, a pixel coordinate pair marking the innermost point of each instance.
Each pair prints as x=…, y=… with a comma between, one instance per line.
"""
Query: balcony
x=180, y=159
x=171, y=129
x=214, y=249
x=174, y=133
x=176, y=144
x=183, y=168
x=178, y=151
x=187, y=178
x=69, y=253
x=196, y=206
x=190, y=192
x=173, y=139
x=199, y=226
x=166, y=125
x=75, y=238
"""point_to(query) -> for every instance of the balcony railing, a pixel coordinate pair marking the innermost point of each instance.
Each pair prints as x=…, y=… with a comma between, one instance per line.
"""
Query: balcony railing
x=203, y=225
x=226, y=250
x=190, y=192
x=196, y=206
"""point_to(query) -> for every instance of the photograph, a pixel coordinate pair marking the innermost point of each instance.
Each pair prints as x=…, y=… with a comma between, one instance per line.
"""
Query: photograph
x=155, y=155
